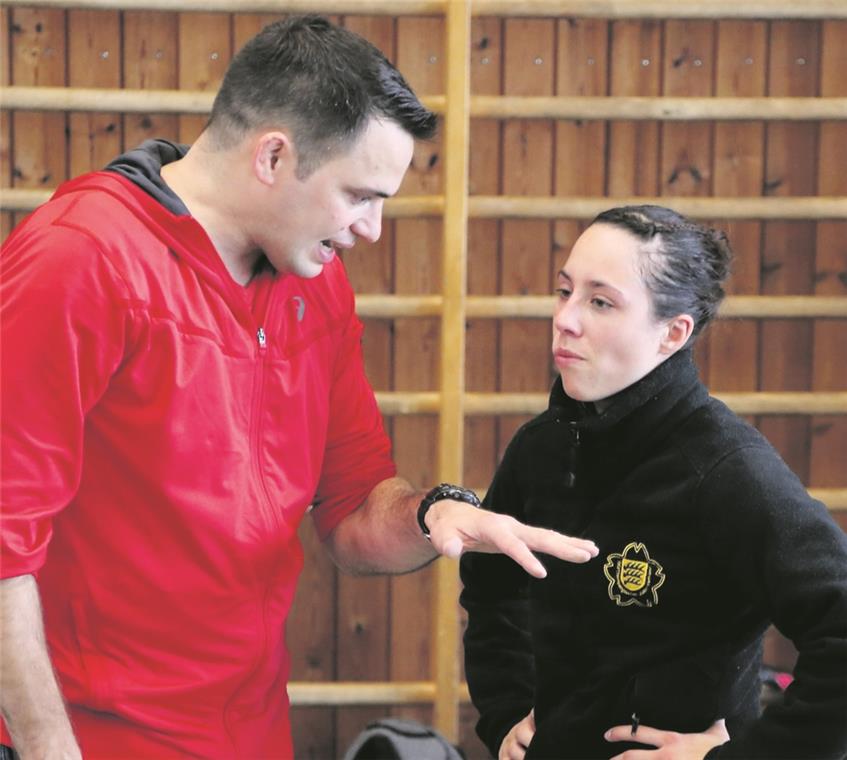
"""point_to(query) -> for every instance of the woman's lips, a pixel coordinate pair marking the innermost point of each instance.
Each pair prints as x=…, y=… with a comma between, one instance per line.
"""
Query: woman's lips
x=564, y=356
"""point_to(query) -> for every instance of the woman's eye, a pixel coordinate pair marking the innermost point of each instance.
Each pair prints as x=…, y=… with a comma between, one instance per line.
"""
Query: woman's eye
x=563, y=292
x=601, y=303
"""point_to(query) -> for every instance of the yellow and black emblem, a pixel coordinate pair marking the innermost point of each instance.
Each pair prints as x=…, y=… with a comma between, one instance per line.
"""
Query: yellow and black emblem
x=634, y=578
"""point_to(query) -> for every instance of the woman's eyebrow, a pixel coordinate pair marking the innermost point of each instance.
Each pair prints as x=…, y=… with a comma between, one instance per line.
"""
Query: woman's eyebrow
x=595, y=284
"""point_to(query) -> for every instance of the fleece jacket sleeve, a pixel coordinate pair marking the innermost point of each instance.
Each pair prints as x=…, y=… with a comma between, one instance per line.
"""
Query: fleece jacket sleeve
x=499, y=663
x=790, y=557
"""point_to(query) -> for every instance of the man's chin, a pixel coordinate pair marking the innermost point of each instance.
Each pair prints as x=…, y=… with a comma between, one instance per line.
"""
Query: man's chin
x=307, y=269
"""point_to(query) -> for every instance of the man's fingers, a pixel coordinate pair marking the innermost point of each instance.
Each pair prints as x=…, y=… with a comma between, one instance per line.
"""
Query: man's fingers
x=520, y=553
x=557, y=545
x=452, y=548
x=491, y=532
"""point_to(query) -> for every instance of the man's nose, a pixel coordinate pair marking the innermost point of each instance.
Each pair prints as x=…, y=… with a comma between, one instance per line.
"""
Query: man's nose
x=369, y=225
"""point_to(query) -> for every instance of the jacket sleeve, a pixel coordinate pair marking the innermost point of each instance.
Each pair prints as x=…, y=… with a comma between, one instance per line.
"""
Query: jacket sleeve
x=63, y=329
x=499, y=663
x=790, y=557
x=358, y=451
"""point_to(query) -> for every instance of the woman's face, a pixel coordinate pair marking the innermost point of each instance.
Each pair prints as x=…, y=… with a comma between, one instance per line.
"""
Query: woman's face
x=604, y=335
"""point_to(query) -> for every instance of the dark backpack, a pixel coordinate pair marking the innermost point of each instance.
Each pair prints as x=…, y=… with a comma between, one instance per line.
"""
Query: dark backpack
x=400, y=739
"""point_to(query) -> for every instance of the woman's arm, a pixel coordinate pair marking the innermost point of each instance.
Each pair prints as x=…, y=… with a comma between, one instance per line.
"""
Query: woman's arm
x=790, y=557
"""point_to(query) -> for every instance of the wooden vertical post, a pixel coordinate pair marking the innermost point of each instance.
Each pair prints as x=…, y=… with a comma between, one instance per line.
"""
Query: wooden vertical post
x=452, y=370
x=829, y=366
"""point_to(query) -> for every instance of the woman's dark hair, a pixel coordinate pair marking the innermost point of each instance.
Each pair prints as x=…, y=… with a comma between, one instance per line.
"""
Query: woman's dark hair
x=684, y=264
x=320, y=81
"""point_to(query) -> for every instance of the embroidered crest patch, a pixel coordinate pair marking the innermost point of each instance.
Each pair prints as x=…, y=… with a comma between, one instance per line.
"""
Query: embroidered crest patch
x=634, y=578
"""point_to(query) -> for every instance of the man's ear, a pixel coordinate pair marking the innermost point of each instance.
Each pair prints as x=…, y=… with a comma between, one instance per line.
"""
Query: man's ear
x=677, y=332
x=273, y=154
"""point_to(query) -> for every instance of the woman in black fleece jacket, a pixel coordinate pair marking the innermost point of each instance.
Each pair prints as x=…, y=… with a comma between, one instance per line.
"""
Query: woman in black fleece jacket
x=652, y=650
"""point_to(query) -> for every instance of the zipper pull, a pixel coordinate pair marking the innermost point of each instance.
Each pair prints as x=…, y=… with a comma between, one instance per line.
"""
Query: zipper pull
x=261, y=338
x=570, y=472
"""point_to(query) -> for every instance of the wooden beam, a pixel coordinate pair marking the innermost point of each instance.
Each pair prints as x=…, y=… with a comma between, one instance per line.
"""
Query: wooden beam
x=17, y=199
x=632, y=108
x=747, y=307
x=611, y=9
x=329, y=7
x=126, y=100
x=662, y=9
x=492, y=207
x=784, y=208
x=446, y=643
x=583, y=108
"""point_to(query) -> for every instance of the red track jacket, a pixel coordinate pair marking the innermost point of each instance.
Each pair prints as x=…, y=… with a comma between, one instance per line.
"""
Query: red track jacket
x=164, y=430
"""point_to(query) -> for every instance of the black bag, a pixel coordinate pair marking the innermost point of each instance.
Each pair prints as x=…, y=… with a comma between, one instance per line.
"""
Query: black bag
x=400, y=739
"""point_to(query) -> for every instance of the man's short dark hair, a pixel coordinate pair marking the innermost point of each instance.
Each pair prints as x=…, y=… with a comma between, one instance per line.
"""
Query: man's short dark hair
x=321, y=82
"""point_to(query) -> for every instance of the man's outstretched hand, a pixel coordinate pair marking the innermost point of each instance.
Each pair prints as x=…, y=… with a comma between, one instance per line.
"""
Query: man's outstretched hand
x=456, y=527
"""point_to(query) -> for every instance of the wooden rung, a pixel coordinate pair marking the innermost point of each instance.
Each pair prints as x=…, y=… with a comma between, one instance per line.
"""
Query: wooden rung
x=361, y=692
x=342, y=7
x=662, y=9
x=780, y=307
x=490, y=207
x=102, y=99
x=25, y=98
x=762, y=307
x=777, y=208
x=377, y=306
x=412, y=206
x=588, y=108
x=611, y=9
x=397, y=403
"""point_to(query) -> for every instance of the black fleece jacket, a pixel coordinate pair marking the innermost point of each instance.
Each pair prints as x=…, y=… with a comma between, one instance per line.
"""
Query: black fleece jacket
x=705, y=537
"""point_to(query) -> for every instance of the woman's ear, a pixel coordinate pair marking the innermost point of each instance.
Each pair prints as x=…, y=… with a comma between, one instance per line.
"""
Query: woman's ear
x=677, y=332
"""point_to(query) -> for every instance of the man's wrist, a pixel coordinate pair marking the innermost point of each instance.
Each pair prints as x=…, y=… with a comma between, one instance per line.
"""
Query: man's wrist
x=439, y=493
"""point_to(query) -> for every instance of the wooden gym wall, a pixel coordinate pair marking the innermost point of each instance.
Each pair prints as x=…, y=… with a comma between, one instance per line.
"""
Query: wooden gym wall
x=603, y=102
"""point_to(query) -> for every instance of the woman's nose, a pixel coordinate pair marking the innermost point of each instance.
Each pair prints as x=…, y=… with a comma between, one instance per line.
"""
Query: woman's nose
x=566, y=317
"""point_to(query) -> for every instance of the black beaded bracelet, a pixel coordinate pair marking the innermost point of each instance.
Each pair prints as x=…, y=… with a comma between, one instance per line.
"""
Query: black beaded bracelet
x=444, y=491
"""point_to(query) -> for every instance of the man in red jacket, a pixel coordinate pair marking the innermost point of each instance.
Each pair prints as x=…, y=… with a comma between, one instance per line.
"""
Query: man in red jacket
x=182, y=380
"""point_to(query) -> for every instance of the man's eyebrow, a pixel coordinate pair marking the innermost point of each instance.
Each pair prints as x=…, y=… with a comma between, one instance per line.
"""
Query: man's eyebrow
x=368, y=191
